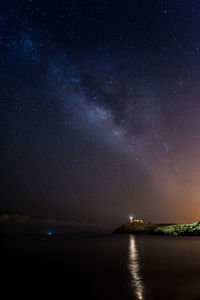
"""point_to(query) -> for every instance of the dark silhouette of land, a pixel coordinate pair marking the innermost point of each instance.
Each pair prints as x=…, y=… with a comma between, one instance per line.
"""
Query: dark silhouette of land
x=191, y=229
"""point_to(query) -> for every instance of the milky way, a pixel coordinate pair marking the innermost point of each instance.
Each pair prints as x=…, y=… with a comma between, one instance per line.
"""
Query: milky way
x=100, y=110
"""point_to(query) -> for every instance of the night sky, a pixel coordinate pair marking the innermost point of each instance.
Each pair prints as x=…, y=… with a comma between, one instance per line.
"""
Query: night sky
x=100, y=110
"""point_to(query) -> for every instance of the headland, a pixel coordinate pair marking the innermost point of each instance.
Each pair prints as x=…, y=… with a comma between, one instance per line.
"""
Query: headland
x=190, y=229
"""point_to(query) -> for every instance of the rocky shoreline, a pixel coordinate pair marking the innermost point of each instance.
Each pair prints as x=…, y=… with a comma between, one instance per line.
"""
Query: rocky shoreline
x=190, y=229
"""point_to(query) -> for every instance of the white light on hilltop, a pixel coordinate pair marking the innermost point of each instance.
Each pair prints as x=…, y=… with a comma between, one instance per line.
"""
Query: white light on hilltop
x=131, y=219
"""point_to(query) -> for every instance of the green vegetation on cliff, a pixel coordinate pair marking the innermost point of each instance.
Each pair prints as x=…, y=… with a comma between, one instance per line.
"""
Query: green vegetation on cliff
x=179, y=229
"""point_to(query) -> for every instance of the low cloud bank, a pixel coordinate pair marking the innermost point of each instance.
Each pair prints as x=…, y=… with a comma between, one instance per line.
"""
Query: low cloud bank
x=25, y=224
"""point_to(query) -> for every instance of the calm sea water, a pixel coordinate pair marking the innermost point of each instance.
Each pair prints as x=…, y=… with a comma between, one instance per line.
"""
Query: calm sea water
x=101, y=267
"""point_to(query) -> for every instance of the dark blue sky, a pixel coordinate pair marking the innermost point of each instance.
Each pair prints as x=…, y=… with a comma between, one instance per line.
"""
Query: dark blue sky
x=100, y=104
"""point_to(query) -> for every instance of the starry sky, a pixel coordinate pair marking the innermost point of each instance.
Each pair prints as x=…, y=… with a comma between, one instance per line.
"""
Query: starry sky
x=100, y=110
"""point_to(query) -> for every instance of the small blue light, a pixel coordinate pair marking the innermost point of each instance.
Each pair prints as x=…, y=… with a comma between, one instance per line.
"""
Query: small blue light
x=50, y=233
x=76, y=80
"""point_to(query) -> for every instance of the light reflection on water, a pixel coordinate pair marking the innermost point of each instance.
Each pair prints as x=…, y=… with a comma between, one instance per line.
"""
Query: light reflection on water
x=134, y=269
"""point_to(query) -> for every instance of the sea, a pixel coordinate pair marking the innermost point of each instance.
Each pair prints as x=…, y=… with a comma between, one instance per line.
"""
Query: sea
x=100, y=266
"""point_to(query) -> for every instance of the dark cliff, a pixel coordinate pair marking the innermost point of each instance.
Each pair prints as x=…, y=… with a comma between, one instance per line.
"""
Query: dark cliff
x=134, y=227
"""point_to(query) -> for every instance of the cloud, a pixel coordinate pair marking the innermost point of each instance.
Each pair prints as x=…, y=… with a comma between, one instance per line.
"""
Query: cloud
x=18, y=223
